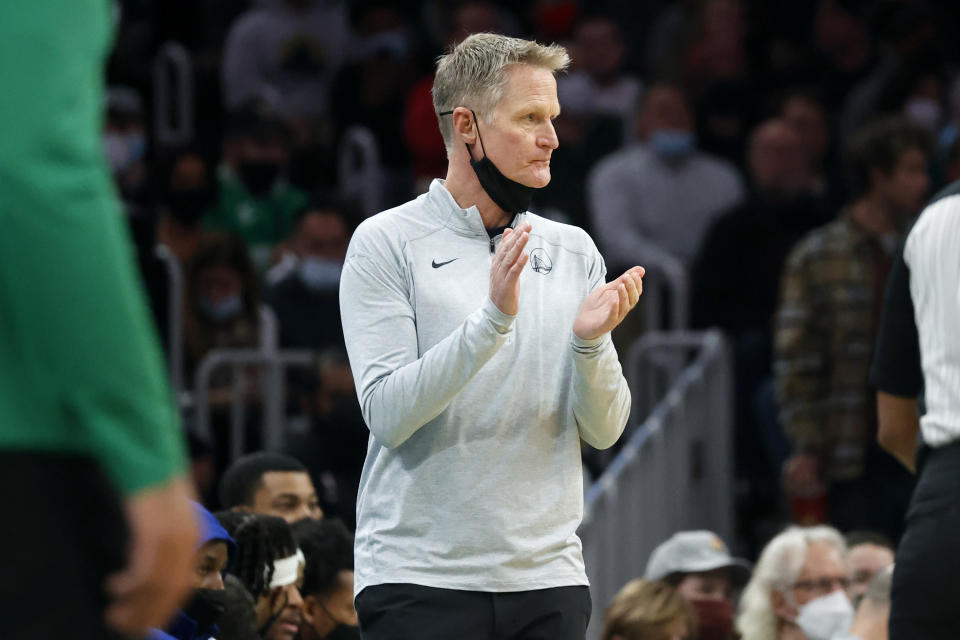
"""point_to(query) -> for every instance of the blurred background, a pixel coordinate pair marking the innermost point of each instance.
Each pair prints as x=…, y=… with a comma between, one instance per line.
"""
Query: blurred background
x=761, y=159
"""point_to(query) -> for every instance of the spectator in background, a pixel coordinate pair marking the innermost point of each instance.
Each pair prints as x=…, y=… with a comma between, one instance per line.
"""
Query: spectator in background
x=187, y=190
x=125, y=141
x=659, y=197
x=868, y=554
x=735, y=281
x=698, y=564
x=423, y=139
x=826, y=327
x=645, y=609
x=805, y=112
x=873, y=615
x=371, y=90
x=598, y=85
x=288, y=53
x=844, y=49
x=798, y=587
x=223, y=304
x=271, y=484
x=197, y=620
x=717, y=76
x=255, y=200
x=328, y=611
x=303, y=290
x=270, y=567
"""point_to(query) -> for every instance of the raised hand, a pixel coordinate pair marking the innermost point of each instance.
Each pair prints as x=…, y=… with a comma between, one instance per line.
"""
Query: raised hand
x=607, y=306
x=508, y=263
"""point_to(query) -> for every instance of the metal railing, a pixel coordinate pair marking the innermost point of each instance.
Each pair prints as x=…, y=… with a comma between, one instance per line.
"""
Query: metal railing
x=270, y=366
x=174, y=316
x=666, y=294
x=173, y=95
x=675, y=471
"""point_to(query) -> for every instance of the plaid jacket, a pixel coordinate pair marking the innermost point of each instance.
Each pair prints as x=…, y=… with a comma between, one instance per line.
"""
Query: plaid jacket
x=825, y=329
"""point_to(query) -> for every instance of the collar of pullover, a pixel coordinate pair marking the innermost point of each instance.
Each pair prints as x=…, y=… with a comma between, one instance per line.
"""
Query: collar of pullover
x=466, y=222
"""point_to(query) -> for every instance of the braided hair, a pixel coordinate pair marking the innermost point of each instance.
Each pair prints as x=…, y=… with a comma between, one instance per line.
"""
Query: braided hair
x=260, y=541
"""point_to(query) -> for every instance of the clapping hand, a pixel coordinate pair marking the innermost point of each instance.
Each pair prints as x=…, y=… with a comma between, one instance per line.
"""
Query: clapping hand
x=607, y=306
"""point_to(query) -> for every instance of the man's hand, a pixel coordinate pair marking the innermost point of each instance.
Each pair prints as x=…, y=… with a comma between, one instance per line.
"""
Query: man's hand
x=508, y=263
x=607, y=306
x=163, y=538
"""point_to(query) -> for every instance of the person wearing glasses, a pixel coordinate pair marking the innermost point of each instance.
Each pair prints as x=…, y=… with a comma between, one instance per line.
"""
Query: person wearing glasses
x=799, y=588
x=479, y=340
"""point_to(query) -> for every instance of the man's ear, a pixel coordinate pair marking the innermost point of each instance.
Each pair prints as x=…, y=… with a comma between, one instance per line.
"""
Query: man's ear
x=464, y=125
x=242, y=508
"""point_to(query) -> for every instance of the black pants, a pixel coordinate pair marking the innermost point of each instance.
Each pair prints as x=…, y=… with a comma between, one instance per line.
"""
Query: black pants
x=413, y=612
x=63, y=532
x=926, y=587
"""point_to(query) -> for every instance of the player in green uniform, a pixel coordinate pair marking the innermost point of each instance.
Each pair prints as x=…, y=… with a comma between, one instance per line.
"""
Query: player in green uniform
x=91, y=453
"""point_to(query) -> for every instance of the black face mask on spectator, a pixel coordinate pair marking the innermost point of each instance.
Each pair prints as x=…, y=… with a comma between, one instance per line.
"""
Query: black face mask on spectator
x=187, y=206
x=206, y=607
x=259, y=177
x=343, y=632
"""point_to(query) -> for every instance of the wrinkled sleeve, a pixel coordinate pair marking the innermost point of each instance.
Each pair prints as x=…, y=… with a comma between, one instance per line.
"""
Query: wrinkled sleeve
x=601, y=398
x=399, y=389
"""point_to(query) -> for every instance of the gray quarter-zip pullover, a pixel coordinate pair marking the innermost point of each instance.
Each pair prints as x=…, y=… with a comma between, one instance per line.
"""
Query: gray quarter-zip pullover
x=473, y=478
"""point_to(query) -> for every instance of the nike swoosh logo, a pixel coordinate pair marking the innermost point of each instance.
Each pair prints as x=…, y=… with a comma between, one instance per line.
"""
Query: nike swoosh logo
x=437, y=265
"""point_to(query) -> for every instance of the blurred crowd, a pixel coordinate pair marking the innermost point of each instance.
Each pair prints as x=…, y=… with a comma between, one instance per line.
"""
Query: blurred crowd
x=774, y=153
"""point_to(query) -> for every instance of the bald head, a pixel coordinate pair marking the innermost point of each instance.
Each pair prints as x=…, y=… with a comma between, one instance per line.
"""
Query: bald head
x=777, y=159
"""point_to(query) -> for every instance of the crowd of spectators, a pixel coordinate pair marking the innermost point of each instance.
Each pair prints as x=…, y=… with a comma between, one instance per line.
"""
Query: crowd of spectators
x=775, y=152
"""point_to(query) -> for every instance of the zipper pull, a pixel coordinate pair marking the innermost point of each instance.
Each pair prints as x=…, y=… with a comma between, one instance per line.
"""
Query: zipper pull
x=493, y=247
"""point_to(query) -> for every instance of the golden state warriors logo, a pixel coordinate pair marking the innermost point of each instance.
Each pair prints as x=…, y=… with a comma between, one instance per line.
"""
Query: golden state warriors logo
x=540, y=261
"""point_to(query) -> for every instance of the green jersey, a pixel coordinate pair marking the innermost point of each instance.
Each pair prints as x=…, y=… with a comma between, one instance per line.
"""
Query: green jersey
x=81, y=369
x=261, y=222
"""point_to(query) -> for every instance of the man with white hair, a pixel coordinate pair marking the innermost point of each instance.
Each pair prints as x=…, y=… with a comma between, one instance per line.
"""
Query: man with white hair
x=478, y=335
x=798, y=588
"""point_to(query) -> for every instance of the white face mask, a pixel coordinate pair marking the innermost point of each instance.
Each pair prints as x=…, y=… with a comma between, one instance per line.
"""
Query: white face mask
x=826, y=617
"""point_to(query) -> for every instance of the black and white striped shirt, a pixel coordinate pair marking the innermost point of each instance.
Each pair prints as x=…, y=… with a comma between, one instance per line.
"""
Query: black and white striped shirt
x=919, y=342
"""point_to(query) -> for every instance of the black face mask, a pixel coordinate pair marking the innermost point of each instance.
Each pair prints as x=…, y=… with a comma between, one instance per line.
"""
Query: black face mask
x=187, y=206
x=343, y=632
x=259, y=177
x=509, y=195
x=205, y=607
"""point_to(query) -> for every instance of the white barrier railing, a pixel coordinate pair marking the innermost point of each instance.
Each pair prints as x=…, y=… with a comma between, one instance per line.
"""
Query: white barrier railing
x=359, y=169
x=675, y=471
x=271, y=365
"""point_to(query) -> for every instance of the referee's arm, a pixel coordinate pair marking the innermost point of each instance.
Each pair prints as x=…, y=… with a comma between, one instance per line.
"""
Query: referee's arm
x=896, y=372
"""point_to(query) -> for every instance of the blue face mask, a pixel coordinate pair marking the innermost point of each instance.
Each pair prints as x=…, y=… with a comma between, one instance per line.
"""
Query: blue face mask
x=672, y=144
x=221, y=310
x=320, y=274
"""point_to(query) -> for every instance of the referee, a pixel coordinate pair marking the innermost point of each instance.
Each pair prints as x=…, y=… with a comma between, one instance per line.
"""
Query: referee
x=918, y=351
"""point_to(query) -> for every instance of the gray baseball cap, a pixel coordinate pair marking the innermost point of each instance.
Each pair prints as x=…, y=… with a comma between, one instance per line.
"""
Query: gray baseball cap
x=696, y=552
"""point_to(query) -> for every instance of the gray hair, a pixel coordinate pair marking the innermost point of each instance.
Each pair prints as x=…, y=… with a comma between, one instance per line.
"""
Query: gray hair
x=779, y=565
x=474, y=73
